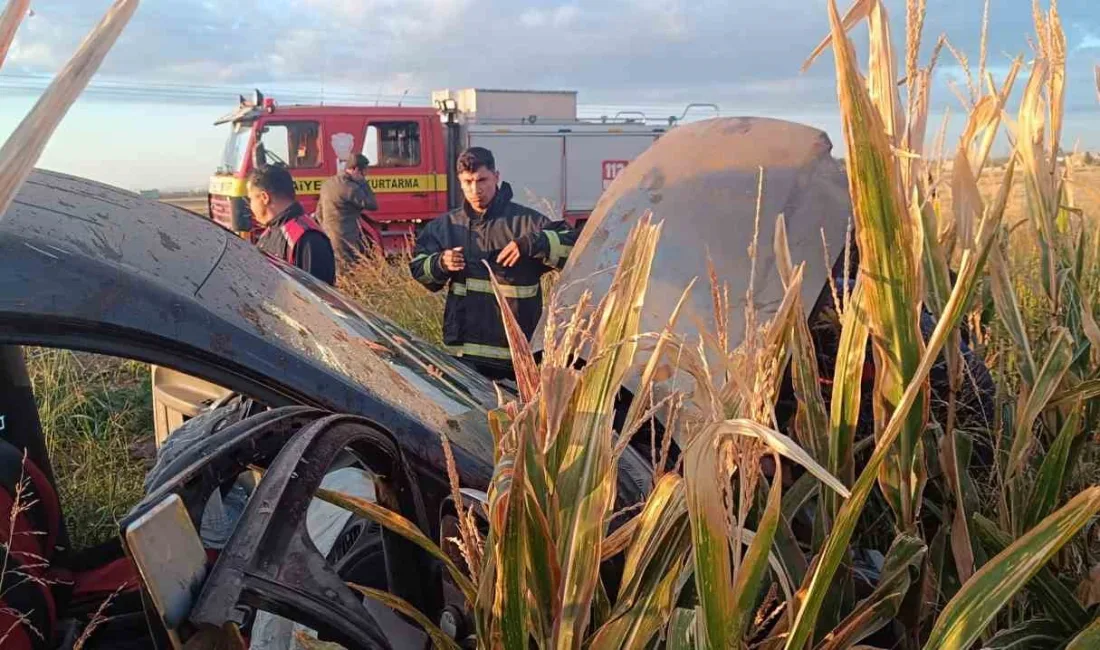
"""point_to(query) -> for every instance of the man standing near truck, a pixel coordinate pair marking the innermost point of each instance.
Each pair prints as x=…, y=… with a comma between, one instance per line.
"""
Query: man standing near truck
x=343, y=199
x=289, y=234
x=519, y=244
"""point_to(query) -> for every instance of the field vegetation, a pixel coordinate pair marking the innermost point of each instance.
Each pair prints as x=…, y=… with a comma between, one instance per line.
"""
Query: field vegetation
x=915, y=539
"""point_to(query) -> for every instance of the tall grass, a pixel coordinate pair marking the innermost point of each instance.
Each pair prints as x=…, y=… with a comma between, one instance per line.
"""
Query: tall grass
x=386, y=287
x=711, y=559
x=97, y=417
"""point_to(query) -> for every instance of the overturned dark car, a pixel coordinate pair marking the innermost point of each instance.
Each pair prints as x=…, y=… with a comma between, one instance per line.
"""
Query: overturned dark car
x=92, y=268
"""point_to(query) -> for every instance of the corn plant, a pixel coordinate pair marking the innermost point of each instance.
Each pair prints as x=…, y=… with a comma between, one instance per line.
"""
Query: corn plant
x=709, y=558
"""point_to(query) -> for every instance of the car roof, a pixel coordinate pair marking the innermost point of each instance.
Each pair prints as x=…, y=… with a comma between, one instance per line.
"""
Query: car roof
x=90, y=266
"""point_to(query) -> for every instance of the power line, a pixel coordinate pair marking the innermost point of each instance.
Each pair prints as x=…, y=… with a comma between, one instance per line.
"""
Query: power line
x=199, y=94
x=227, y=95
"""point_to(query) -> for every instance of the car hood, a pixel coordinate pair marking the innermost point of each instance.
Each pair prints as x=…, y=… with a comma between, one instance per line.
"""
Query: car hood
x=99, y=268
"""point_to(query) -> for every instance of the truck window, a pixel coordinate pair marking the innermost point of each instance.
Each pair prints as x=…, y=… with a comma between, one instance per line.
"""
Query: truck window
x=293, y=143
x=236, y=149
x=392, y=144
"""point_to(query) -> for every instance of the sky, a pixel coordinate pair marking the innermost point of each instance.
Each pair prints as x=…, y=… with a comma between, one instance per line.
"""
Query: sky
x=147, y=119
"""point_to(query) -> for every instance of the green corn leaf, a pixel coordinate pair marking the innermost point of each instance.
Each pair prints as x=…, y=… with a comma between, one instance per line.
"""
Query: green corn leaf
x=933, y=584
x=512, y=557
x=487, y=623
x=819, y=581
x=755, y=564
x=1049, y=378
x=540, y=553
x=961, y=622
x=934, y=260
x=705, y=478
x=847, y=392
x=601, y=605
x=1048, y=486
x=637, y=626
x=889, y=261
x=661, y=536
x=1059, y=603
x=954, y=457
x=1088, y=639
x=899, y=569
x=681, y=630
x=1084, y=391
x=811, y=418
x=1030, y=635
x=586, y=482
x=788, y=551
x=395, y=523
x=1008, y=309
x=439, y=638
x=799, y=494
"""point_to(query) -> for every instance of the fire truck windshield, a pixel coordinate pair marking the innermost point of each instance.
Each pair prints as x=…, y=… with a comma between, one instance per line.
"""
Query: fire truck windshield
x=236, y=148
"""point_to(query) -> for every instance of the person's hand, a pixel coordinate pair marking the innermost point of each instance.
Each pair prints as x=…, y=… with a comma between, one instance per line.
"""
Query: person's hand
x=510, y=255
x=453, y=260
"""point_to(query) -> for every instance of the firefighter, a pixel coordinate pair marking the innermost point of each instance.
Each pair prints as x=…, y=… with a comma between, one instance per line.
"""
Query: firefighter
x=343, y=198
x=289, y=234
x=519, y=244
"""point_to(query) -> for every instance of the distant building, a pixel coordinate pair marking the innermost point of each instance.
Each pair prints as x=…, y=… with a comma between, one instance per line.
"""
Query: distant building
x=150, y=194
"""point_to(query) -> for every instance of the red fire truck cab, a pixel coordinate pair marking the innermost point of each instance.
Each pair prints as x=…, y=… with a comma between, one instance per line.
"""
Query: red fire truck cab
x=554, y=161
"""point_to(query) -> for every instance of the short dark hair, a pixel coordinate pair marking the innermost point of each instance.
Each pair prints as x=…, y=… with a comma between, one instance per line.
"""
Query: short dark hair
x=474, y=159
x=357, y=161
x=273, y=179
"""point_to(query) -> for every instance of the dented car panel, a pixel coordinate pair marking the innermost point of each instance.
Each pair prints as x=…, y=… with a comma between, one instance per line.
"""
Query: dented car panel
x=94, y=268
x=702, y=181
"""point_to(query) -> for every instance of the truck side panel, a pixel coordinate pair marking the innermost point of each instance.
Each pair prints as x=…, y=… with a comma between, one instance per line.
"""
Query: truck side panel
x=534, y=165
x=585, y=156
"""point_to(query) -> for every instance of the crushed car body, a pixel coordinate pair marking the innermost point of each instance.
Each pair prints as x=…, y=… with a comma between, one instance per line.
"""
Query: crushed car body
x=94, y=268
x=703, y=181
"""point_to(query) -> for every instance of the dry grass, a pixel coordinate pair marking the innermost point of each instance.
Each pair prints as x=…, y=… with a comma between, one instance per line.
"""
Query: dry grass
x=97, y=417
x=1086, y=184
x=387, y=288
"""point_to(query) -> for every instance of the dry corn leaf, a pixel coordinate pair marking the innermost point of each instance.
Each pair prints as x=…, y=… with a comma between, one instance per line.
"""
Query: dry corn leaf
x=22, y=149
x=10, y=20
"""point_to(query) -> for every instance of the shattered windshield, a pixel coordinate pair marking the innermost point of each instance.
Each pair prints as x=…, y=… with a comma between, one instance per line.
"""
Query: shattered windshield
x=236, y=148
x=426, y=365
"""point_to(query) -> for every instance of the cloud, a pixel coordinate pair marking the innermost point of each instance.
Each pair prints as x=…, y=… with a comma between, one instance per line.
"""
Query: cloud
x=615, y=51
x=558, y=17
x=1089, y=41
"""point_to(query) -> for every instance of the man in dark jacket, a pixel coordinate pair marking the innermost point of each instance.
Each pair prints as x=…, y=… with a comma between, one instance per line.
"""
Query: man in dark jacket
x=343, y=198
x=519, y=244
x=289, y=234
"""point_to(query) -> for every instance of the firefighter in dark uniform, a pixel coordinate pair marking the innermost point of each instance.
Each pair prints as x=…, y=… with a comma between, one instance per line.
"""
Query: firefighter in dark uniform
x=289, y=234
x=343, y=198
x=519, y=244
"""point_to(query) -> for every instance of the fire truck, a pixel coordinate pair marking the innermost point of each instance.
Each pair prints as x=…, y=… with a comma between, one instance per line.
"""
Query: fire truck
x=555, y=162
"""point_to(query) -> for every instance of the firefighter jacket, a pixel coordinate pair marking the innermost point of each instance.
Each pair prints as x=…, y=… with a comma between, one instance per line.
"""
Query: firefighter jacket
x=472, y=324
x=297, y=239
x=342, y=200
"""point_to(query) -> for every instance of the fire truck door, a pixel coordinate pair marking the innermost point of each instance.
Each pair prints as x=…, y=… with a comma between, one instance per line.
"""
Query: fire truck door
x=401, y=172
